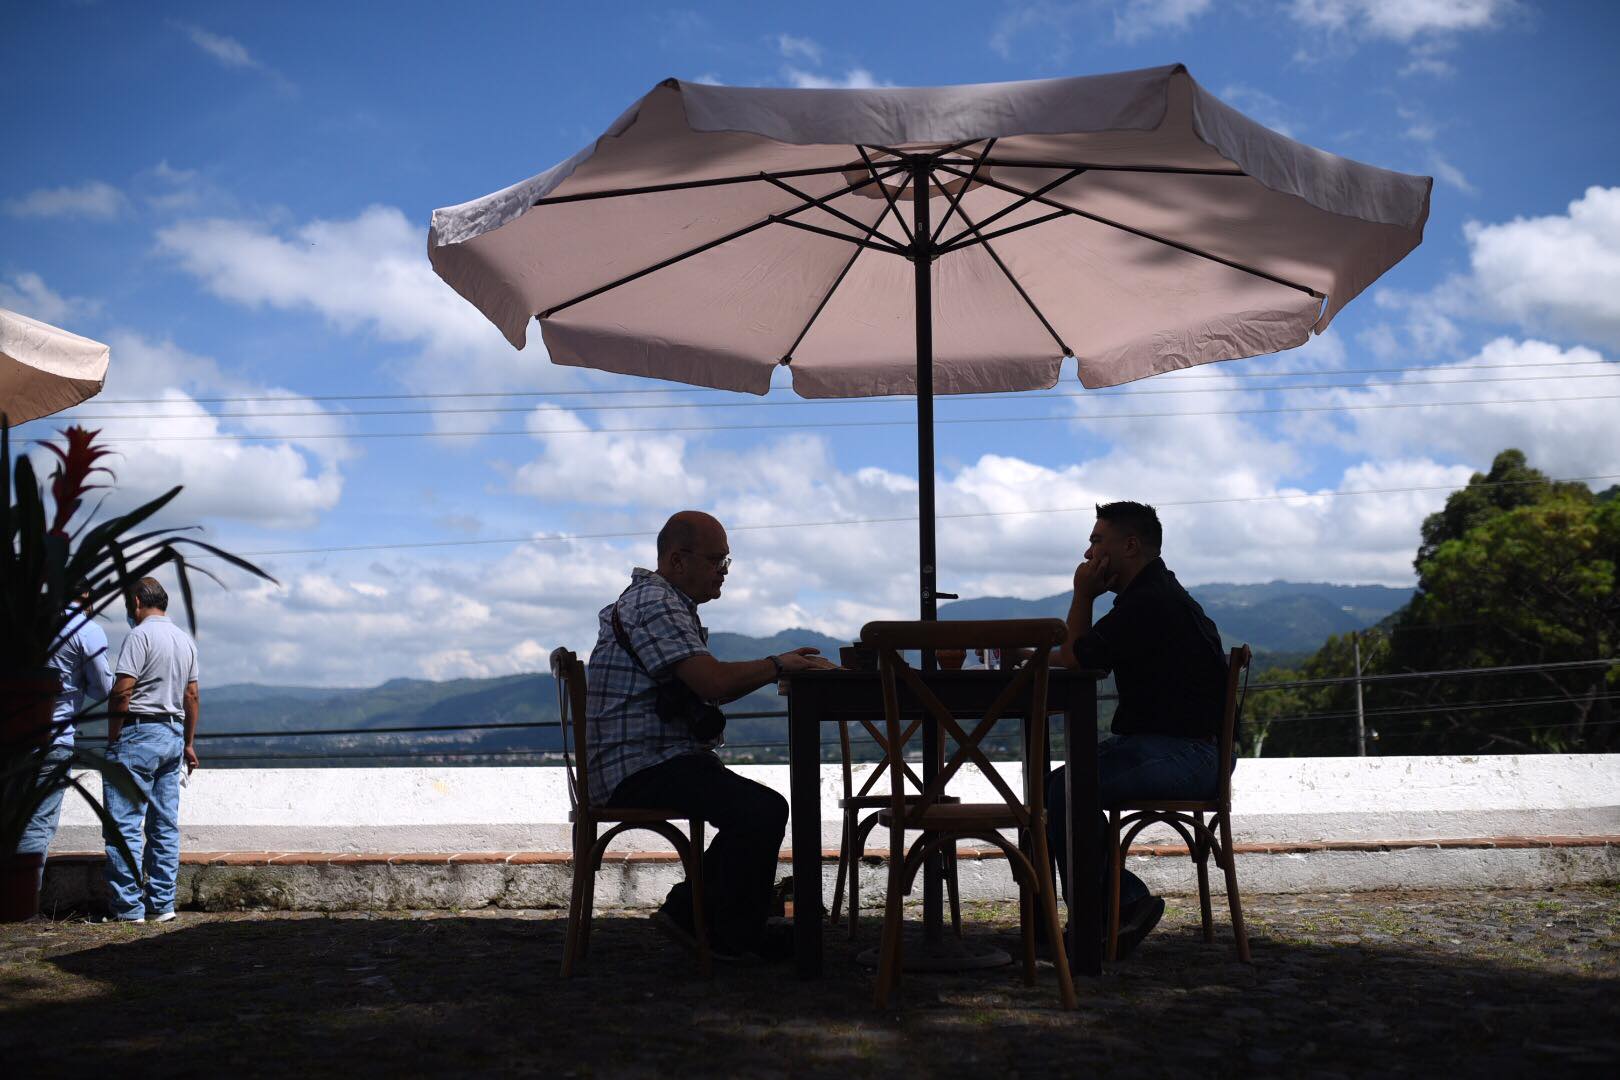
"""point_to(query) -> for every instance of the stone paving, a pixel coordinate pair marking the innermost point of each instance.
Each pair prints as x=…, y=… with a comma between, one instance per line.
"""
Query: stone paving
x=1468, y=983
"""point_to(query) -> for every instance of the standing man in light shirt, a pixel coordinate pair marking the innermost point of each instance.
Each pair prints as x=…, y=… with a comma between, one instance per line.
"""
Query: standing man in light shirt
x=82, y=664
x=151, y=725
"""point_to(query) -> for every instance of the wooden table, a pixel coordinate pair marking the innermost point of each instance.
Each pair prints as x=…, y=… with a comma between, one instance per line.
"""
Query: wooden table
x=820, y=697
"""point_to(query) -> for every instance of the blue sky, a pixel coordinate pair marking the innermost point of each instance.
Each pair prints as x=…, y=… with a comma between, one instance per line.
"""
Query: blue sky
x=235, y=197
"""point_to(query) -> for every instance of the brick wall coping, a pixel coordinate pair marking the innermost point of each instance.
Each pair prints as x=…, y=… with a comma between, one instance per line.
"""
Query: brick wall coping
x=520, y=858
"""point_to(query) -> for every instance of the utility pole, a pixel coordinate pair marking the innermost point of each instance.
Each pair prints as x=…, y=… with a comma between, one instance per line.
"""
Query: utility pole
x=1361, y=715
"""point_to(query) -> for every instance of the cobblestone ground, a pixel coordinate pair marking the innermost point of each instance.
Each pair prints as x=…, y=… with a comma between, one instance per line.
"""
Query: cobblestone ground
x=1468, y=983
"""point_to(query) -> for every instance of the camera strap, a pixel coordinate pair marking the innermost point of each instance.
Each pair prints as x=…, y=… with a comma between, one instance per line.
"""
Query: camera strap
x=624, y=642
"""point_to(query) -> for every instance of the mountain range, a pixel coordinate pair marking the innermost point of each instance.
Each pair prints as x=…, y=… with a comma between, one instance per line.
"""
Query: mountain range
x=424, y=722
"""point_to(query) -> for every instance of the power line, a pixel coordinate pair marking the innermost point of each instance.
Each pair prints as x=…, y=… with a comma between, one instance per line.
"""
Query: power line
x=445, y=395
x=963, y=399
x=642, y=533
x=668, y=428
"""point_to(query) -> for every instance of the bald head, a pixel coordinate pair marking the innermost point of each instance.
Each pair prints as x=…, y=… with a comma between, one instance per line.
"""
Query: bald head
x=684, y=530
x=693, y=554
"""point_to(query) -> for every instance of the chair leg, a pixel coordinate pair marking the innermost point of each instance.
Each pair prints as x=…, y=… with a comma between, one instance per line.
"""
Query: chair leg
x=1229, y=864
x=1200, y=854
x=954, y=888
x=700, y=922
x=588, y=902
x=844, y=865
x=576, y=896
x=1029, y=910
x=1047, y=894
x=889, y=948
x=1116, y=863
x=857, y=849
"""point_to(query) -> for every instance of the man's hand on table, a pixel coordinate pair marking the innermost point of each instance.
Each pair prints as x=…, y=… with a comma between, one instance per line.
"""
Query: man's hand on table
x=804, y=659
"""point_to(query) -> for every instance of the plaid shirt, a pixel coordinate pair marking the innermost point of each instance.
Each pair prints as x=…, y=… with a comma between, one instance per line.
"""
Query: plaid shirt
x=620, y=703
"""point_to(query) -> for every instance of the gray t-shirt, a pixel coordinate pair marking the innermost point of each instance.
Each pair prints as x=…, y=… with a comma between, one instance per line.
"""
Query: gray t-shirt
x=162, y=660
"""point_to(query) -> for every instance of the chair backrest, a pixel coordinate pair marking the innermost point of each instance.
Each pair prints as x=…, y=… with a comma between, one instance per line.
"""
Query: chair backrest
x=569, y=674
x=1024, y=693
x=1237, y=689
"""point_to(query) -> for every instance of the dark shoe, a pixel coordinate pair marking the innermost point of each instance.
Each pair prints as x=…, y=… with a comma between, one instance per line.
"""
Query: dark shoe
x=676, y=925
x=1137, y=922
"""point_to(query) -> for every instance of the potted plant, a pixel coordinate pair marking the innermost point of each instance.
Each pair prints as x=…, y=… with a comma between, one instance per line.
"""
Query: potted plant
x=47, y=562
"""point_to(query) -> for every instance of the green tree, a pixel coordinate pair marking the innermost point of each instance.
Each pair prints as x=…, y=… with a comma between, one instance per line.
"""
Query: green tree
x=1516, y=570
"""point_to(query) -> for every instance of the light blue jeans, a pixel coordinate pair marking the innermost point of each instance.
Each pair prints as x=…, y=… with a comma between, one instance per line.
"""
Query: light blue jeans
x=42, y=826
x=153, y=753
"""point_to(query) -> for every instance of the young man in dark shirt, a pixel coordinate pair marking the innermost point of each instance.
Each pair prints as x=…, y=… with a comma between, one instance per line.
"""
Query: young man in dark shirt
x=1170, y=670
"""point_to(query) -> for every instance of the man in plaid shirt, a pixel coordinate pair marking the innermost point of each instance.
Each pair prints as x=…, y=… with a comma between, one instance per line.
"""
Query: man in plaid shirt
x=638, y=758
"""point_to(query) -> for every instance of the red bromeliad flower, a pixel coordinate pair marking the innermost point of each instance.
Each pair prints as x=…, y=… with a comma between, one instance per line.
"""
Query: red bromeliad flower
x=70, y=481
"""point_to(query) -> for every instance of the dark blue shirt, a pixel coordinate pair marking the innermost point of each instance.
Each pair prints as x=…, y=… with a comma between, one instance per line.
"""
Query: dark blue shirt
x=1166, y=657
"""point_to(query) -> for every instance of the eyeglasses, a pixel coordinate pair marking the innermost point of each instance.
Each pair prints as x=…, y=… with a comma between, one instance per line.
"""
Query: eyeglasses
x=721, y=563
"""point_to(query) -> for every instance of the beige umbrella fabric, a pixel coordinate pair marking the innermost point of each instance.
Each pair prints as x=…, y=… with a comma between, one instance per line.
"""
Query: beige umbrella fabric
x=1131, y=220
x=44, y=369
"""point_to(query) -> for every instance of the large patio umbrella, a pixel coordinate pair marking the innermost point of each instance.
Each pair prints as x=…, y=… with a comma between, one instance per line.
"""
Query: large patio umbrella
x=950, y=240
x=44, y=369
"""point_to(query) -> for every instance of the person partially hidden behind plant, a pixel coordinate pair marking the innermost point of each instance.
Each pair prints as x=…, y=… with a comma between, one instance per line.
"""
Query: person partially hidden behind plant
x=651, y=686
x=151, y=725
x=81, y=661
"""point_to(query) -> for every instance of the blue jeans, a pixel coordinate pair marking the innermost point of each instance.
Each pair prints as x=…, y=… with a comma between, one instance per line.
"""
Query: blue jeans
x=41, y=827
x=152, y=752
x=1134, y=767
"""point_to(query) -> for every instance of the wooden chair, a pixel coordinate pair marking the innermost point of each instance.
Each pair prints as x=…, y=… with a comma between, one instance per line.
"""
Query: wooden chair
x=1186, y=816
x=857, y=828
x=588, y=818
x=943, y=823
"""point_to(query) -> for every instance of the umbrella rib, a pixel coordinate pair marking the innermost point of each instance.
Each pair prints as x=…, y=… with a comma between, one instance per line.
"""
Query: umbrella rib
x=960, y=244
x=1025, y=163
x=835, y=234
x=787, y=357
x=1005, y=210
x=1144, y=234
x=716, y=242
x=687, y=185
x=869, y=230
x=888, y=198
x=1014, y=283
x=956, y=199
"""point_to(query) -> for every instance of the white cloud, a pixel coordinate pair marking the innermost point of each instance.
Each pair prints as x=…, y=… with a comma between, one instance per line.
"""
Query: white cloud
x=1139, y=19
x=284, y=482
x=1260, y=106
x=365, y=274
x=855, y=78
x=1048, y=21
x=1557, y=274
x=632, y=470
x=1569, y=437
x=27, y=294
x=227, y=50
x=801, y=47
x=1402, y=20
x=93, y=199
x=1447, y=173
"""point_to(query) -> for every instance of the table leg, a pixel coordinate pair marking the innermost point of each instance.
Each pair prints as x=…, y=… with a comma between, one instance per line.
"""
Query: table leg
x=804, y=807
x=1082, y=799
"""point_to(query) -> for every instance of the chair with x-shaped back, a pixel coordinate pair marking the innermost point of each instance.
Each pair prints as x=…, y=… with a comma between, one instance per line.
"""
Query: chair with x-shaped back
x=1023, y=693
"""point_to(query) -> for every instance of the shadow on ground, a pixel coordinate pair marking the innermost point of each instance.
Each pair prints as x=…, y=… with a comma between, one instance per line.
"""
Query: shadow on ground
x=1471, y=983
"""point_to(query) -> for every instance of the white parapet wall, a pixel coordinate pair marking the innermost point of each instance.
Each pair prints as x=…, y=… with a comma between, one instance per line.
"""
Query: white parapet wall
x=1281, y=800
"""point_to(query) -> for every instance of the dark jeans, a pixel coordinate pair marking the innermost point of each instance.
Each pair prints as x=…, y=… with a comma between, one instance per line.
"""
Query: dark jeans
x=1134, y=767
x=739, y=869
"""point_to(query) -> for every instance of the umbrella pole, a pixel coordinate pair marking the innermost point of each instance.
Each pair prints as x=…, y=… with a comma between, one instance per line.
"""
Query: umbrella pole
x=922, y=261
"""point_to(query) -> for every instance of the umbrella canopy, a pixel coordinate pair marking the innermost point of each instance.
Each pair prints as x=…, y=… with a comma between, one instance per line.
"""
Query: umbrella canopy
x=952, y=240
x=44, y=369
